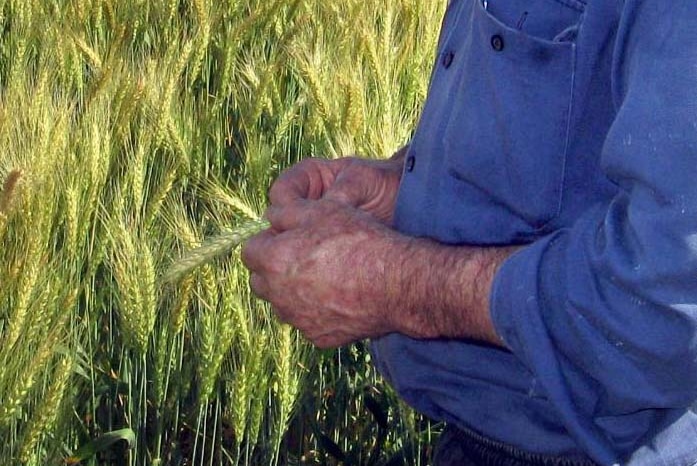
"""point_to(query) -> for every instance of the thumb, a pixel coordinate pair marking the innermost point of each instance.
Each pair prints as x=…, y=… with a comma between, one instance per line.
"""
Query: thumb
x=347, y=189
x=291, y=216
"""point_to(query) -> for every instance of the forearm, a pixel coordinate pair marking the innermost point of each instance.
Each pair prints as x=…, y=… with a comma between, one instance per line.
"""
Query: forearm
x=442, y=291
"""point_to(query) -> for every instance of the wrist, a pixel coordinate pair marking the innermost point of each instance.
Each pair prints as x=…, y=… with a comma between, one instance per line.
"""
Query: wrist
x=409, y=293
x=442, y=291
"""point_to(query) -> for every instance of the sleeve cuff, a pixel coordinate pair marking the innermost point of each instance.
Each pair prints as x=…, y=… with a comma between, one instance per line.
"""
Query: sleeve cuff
x=517, y=298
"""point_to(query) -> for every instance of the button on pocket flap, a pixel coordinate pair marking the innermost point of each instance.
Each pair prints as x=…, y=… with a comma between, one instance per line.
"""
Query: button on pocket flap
x=553, y=20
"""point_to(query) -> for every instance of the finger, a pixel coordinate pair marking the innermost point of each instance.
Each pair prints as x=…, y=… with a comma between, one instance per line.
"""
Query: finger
x=347, y=189
x=290, y=188
x=291, y=216
x=281, y=314
x=256, y=251
x=307, y=180
x=331, y=340
x=259, y=286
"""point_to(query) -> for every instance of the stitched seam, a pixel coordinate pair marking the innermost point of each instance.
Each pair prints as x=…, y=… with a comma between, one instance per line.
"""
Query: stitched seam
x=490, y=450
x=567, y=141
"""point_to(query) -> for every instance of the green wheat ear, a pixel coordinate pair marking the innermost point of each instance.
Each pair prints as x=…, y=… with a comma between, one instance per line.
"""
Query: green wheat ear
x=214, y=247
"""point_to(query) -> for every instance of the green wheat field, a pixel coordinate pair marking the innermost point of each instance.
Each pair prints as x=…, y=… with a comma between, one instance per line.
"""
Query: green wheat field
x=132, y=132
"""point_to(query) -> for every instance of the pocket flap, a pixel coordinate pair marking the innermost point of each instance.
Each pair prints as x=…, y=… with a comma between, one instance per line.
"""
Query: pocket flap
x=555, y=20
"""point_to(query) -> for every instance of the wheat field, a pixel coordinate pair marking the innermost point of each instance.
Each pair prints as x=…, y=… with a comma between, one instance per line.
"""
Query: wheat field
x=130, y=132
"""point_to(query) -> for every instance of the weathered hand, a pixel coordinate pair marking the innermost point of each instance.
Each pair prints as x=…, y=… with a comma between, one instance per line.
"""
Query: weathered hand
x=370, y=185
x=331, y=266
x=323, y=268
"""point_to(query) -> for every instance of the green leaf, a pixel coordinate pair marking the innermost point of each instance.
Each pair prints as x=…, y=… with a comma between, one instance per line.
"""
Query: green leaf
x=376, y=410
x=101, y=444
x=331, y=447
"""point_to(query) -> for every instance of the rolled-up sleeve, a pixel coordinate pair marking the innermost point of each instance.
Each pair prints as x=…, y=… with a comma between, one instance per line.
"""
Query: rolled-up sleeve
x=604, y=313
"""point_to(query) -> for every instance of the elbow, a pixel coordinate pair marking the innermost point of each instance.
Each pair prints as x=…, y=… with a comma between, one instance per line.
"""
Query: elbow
x=655, y=367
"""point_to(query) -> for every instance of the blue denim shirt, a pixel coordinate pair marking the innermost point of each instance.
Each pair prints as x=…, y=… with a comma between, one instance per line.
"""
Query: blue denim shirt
x=569, y=126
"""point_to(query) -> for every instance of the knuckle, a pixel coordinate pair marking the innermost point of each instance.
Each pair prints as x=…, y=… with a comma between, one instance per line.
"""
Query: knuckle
x=249, y=254
x=278, y=217
x=281, y=314
x=256, y=285
x=258, y=252
x=279, y=184
x=306, y=162
x=304, y=167
x=323, y=342
x=277, y=192
x=319, y=343
x=246, y=255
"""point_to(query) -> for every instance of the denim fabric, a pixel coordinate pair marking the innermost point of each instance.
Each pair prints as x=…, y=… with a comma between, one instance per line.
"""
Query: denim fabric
x=569, y=127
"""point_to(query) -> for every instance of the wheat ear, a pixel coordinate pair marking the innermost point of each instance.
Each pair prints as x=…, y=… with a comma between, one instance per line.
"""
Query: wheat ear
x=48, y=409
x=214, y=247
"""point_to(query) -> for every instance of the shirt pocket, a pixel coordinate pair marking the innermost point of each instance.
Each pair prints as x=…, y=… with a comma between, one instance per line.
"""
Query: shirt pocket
x=507, y=133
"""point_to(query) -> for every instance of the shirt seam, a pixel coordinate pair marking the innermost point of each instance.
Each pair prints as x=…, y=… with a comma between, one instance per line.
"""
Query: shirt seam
x=567, y=137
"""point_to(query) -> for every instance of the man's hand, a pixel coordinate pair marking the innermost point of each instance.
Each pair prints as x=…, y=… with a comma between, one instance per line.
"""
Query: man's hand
x=339, y=275
x=323, y=268
x=370, y=185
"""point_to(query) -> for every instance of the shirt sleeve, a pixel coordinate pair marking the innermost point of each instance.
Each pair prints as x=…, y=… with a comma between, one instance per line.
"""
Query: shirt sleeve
x=604, y=313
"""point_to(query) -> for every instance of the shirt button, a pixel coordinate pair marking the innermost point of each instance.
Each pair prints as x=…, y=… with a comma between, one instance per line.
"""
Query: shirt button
x=411, y=160
x=497, y=42
x=448, y=59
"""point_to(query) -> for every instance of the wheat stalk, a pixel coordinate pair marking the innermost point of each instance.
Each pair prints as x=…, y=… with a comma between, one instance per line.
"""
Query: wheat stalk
x=286, y=380
x=161, y=360
x=157, y=198
x=164, y=116
x=92, y=56
x=223, y=334
x=25, y=291
x=202, y=39
x=257, y=385
x=214, y=247
x=177, y=317
x=27, y=378
x=217, y=193
x=133, y=270
x=310, y=75
x=206, y=341
x=239, y=410
x=71, y=218
x=48, y=409
x=353, y=113
x=172, y=6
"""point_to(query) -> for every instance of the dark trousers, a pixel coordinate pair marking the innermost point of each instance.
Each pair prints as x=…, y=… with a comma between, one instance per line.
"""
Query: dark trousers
x=458, y=447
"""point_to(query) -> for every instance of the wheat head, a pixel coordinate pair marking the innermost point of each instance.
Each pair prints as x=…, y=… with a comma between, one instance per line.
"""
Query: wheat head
x=214, y=247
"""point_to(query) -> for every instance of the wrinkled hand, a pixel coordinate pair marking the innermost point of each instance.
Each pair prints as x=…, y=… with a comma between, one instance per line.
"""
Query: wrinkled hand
x=369, y=185
x=331, y=266
x=322, y=266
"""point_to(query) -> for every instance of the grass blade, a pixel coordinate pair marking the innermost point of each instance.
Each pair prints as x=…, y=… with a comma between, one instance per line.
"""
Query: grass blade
x=101, y=444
